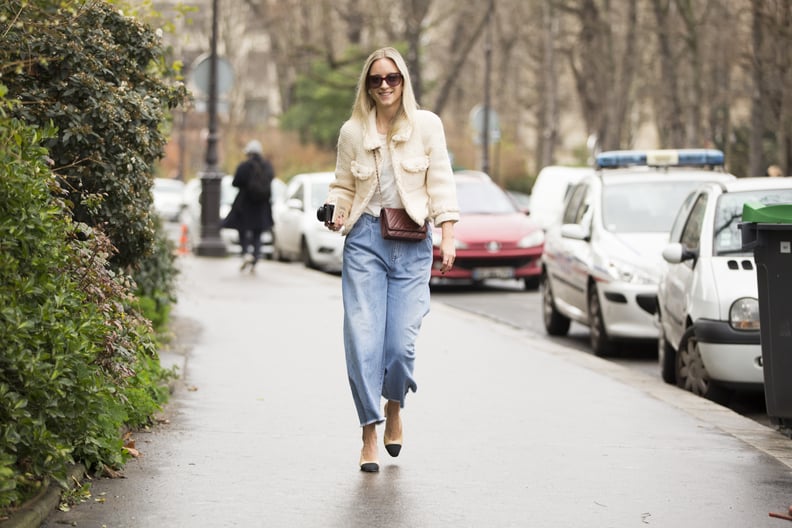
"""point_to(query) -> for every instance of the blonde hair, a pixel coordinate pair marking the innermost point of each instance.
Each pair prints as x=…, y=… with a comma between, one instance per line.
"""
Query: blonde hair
x=364, y=103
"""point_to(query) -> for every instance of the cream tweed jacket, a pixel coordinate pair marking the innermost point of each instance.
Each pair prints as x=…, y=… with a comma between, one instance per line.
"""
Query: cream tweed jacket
x=421, y=165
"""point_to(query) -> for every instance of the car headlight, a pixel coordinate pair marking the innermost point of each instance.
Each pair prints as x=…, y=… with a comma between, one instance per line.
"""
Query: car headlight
x=629, y=273
x=744, y=314
x=534, y=239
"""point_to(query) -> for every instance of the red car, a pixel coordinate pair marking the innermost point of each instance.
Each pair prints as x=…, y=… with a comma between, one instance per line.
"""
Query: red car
x=494, y=239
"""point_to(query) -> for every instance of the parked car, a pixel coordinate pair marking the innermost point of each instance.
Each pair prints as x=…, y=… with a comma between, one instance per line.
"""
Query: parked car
x=550, y=190
x=521, y=200
x=708, y=307
x=494, y=240
x=299, y=235
x=602, y=261
x=191, y=213
x=167, y=194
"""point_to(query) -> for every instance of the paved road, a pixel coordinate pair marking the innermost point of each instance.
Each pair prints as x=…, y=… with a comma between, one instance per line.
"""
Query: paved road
x=507, y=302
x=503, y=431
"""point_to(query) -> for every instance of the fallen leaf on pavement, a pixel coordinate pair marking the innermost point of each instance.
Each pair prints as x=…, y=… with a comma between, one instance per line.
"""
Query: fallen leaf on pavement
x=132, y=451
x=112, y=473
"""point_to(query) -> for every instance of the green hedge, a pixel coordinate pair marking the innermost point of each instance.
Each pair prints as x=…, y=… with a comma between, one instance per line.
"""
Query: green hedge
x=79, y=362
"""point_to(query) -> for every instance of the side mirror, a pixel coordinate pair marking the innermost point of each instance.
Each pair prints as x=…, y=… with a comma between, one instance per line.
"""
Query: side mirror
x=676, y=253
x=574, y=231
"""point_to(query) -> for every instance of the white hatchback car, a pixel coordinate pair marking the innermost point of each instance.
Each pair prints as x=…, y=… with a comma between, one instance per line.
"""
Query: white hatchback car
x=550, y=190
x=708, y=308
x=602, y=262
x=298, y=234
x=191, y=213
x=167, y=193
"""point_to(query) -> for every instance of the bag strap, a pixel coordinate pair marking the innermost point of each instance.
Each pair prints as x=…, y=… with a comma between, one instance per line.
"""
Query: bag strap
x=376, y=171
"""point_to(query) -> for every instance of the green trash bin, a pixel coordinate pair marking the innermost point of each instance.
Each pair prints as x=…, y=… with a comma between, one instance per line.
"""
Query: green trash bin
x=767, y=230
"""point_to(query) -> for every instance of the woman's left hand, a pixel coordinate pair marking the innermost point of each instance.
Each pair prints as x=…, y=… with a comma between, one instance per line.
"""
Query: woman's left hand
x=447, y=247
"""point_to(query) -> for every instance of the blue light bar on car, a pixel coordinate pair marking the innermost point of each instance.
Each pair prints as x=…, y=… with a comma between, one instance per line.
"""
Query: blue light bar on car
x=659, y=158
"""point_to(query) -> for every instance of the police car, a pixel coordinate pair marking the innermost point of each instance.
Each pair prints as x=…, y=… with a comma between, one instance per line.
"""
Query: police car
x=708, y=308
x=602, y=262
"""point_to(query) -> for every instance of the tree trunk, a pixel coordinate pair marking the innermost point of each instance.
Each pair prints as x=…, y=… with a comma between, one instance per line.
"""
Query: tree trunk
x=668, y=109
x=755, y=154
x=547, y=110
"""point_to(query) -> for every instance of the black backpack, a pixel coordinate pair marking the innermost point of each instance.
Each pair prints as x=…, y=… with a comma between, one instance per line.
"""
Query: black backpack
x=258, y=187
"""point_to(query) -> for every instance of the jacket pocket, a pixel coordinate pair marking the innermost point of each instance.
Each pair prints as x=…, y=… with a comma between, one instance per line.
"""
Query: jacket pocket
x=418, y=164
x=414, y=171
x=360, y=171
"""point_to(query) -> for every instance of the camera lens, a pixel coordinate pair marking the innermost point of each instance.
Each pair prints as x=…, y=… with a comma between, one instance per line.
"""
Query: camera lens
x=325, y=213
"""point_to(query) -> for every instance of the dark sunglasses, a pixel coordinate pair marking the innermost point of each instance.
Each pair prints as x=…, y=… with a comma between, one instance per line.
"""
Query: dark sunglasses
x=393, y=79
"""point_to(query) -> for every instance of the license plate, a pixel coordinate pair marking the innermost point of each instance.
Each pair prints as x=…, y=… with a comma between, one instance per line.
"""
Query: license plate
x=493, y=273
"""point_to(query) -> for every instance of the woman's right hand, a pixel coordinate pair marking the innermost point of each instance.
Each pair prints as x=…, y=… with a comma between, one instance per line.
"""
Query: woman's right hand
x=337, y=223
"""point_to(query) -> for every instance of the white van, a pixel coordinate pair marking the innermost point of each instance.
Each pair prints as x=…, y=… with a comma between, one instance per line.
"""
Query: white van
x=549, y=192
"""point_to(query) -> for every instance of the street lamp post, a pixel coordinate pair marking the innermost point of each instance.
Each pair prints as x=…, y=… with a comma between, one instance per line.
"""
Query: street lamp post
x=211, y=244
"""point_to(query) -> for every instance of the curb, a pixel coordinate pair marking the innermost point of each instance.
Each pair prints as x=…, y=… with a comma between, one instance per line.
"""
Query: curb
x=36, y=510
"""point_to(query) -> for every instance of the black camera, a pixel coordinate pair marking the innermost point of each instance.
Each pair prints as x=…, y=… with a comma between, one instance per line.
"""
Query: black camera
x=325, y=213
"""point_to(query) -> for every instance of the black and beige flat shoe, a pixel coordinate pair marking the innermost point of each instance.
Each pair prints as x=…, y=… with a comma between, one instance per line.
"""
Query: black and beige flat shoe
x=392, y=445
x=368, y=466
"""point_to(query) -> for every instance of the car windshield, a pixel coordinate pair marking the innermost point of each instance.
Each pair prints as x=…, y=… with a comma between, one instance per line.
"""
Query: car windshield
x=728, y=215
x=483, y=197
x=319, y=192
x=643, y=207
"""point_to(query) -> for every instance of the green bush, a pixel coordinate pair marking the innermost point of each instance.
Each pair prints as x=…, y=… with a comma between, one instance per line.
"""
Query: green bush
x=79, y=239
x=99, y=77
x=79, y=361
x=156, y=278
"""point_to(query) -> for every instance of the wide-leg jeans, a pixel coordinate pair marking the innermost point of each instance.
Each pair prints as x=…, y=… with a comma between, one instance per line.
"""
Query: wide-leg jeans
x=385, y=287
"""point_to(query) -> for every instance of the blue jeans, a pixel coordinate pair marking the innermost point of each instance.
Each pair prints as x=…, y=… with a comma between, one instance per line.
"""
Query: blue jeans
x=385, y=287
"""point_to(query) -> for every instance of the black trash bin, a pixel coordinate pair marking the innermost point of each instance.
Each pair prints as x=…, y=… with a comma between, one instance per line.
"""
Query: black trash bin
x=767, y=230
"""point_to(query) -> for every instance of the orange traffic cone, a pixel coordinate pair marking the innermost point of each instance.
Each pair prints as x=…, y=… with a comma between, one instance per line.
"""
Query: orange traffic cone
x=183, y=250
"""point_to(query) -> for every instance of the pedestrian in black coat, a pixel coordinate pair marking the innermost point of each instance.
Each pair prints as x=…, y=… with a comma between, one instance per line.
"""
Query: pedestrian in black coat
x=250, y=215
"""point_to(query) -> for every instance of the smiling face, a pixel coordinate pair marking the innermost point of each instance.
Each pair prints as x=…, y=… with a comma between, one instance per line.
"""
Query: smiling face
x=385, y=97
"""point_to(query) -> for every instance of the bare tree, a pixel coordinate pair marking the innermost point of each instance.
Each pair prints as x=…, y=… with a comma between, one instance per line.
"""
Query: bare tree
x=779, y=27
x=668, y=105
x=415, y=14
x=756, y=156
x=548, y=111
x=601, y=59
x=672, y=72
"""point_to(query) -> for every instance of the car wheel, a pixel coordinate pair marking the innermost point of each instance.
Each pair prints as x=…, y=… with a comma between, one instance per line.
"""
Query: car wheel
x=305, y=255
x=667, y=359
x=691, y=373
x=531, y=283
x=598, y=336
x=555, y=323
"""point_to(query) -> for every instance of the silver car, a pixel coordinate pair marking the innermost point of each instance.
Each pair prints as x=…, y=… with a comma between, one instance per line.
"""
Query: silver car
x=708, y=306
x=298, y=234
x=602, y=263
x=167, y=193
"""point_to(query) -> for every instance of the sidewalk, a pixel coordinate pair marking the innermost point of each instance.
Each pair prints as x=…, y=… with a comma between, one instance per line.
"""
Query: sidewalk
x=504, y=430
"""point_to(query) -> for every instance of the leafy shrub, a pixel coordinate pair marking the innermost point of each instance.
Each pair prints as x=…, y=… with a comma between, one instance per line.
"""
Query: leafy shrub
x=79, y=360
x=99, y=77
x=156, y=278
x=77, y=357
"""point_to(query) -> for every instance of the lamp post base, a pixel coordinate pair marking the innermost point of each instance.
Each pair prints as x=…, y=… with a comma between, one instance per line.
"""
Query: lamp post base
x=211, y=247
x=211, y=244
